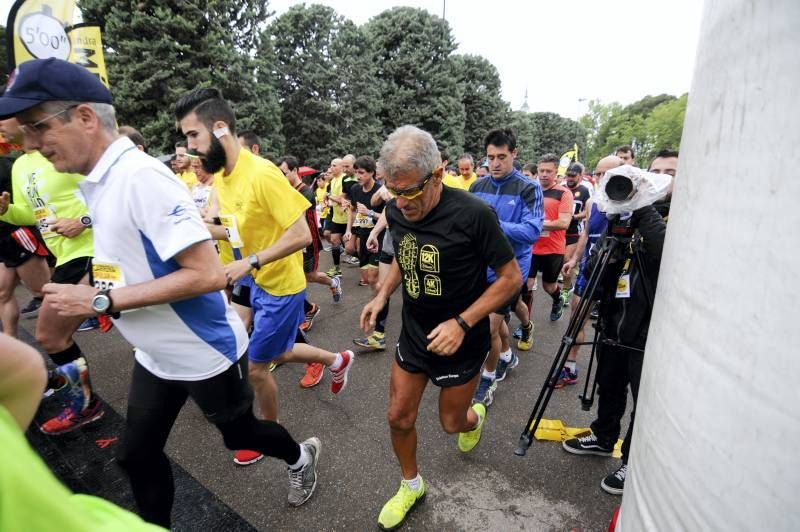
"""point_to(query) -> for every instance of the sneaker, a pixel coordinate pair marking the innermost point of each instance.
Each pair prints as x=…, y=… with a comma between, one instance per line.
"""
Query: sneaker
x=351, y=260
x=535, y=284
x=565, y=297
x=485, y=392
x=396, y=509
x=375, y=341
x=557, y=310
x=468, y=440
x=339, y=380
x=245, y=458
x=504, y=367
x=517, y=332
x=362, y=282
x=105, y=323
x=615, y=482
x=587, y=445
x=526, y=339
x=327, y=248
x=69, y=419
x=336, y=288
x=308, y=321
x=31, y=310
x=89, y=325
x=274, y=365
x=303, y=481
x=567, y=378
x=313, y=376
x=334, y=271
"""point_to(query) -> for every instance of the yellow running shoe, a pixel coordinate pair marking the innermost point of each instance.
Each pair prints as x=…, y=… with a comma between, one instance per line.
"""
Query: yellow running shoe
x=468, y=440
x=526, y=339
x=396, y=509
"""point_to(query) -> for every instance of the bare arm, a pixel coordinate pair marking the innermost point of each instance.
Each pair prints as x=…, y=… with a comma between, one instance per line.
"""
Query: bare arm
x=561, y=223
x=217, y=231
x=22, y=379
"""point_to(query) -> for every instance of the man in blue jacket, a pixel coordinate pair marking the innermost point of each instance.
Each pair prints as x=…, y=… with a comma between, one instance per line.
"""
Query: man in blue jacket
x=519, y=205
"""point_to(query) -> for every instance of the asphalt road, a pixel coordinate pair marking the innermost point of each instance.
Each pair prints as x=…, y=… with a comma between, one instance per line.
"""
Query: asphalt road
x=487, y=489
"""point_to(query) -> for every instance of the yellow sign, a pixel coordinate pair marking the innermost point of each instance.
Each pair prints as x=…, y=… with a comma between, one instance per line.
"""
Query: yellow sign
x=40, y=29
x=87, y=50
x=567, y=159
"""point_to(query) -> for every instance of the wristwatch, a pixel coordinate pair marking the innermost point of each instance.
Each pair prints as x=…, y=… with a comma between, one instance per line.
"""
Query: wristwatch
x=101, y=302
x=253, y=260
x=86, y=220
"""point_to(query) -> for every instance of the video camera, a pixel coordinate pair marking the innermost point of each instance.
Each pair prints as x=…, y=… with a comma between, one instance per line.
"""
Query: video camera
x=627, y=188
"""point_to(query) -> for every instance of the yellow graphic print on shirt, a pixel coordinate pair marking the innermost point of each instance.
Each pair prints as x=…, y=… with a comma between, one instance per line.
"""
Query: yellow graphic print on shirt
x=429, y=262
x=407, y=259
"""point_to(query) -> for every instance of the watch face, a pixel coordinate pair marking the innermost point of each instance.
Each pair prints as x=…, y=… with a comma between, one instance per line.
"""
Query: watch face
x=86, y=220
x=100, y=303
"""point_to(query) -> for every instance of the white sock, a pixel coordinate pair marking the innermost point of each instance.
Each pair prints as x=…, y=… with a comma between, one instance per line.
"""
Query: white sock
x=571, y=365
x=488, y=374
x=336, y=363
x=415, y=483
x=506, y=356
x=302, y=461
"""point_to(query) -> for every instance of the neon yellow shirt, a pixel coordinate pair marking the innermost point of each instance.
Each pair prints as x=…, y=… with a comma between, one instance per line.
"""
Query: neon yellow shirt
x=339, y=214
x=41, y=194
x=31, y=498
x=458, y=181
x=271, y=206
x=188, y=178
x=323, y=208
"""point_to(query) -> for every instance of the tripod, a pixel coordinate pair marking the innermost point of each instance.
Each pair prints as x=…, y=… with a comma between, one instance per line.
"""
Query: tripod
x=610, y=247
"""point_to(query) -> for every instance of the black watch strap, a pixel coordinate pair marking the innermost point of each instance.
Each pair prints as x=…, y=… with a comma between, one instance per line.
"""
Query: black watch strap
x=110, y=310
x=464, y=325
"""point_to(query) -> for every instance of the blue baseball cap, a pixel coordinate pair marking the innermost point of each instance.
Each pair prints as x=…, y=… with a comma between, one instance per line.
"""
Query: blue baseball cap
x=47, y=80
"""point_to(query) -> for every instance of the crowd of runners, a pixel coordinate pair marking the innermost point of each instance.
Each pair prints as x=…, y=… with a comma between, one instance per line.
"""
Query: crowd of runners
x=202, y=264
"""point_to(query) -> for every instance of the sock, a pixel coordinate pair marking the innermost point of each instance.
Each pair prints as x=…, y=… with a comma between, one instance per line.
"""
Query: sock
x=307, y=306
x=336, y=253
x=415, y=483
x=506, y=356
x=571, y=365
x=336, y=363
x=488, y=374
x=302, y=461
x=67, y=355
x=556, y=295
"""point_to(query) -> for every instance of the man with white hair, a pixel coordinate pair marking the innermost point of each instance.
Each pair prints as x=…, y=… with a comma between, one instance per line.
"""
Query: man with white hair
x=444, y=239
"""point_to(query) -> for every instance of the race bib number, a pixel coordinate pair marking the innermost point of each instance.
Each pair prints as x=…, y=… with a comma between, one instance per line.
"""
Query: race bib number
x=107, y=275
x=229, y=223
x=44, y=216
x=362, y=221
x=624, y=286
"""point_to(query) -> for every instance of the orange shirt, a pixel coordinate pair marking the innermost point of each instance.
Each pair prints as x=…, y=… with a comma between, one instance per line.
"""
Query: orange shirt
x=556, y=201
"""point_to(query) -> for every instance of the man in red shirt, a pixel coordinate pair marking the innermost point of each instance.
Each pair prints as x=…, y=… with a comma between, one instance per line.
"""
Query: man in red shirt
x=548, y=251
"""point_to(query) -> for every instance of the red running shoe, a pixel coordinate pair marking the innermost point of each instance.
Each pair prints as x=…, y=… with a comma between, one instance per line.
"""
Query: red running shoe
x=339, y=380
x=313, y=376
x=68, y=420
x=245, y=458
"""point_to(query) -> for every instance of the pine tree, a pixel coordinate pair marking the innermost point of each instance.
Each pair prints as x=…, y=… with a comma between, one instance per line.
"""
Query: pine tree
x=417, y=75
x=158, y=50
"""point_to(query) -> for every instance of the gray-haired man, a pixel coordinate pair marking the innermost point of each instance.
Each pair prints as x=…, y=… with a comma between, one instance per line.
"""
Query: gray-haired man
x=444, y=239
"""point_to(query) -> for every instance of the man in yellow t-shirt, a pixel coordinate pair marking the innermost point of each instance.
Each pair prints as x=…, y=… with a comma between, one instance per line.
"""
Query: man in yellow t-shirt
x=337, y=197
x=183, y=166
x=266, y=226
x=466, y=170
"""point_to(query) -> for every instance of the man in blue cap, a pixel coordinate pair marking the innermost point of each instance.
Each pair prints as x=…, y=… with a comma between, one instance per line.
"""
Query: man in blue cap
x=154, y=263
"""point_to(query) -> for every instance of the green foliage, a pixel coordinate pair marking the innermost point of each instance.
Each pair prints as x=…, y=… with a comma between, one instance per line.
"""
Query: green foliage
x=483, y=105
x=158, y=50
x=540, y=133
x=649, y=125
x=416, y=75
x=325, y=80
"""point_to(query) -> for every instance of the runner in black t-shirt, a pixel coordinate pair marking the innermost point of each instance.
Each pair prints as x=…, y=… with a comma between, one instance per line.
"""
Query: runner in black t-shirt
x=444, y=239
x=580, y=196
x=360, y=223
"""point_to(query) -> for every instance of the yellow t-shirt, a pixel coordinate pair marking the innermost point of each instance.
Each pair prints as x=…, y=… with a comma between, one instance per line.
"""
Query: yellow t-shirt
x=188, y=178
x=458, y=181
x=339, y=214
x=232, y=190
x=271, y=205
x=321, y=206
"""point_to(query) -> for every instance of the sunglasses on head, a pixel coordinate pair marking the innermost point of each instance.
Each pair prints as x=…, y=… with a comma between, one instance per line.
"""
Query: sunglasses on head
x=412, y=192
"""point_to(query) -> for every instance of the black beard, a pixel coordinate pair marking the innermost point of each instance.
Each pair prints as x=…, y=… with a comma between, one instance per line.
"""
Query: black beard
x=215, y=159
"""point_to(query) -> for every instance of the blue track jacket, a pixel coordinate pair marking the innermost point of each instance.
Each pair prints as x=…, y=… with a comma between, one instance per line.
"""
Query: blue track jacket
x=519, y=205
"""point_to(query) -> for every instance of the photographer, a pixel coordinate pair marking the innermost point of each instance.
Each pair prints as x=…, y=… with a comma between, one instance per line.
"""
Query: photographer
x=625, y=294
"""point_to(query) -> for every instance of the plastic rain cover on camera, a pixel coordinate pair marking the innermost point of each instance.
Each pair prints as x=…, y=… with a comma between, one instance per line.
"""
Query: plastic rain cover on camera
x=649, y=188
x=718, y=417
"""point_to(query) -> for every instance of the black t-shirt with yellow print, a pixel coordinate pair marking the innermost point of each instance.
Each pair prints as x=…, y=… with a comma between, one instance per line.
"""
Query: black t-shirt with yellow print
x=443, y=260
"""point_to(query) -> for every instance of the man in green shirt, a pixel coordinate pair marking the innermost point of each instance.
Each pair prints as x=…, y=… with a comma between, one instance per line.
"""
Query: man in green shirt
x=52, y=201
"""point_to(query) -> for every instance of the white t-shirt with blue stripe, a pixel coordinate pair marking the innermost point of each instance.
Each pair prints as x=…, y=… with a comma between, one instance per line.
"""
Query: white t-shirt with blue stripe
x=142, y=217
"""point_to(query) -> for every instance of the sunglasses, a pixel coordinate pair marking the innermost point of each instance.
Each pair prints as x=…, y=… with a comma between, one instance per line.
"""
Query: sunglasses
x=410, y=193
